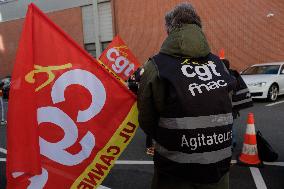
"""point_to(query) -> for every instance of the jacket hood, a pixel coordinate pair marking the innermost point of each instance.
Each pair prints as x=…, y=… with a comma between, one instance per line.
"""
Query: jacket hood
x=188, y=41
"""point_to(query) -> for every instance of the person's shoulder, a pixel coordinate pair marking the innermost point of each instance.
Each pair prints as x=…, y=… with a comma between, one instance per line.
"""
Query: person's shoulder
x=149, y=68
x=150, y=63
x=214, y=57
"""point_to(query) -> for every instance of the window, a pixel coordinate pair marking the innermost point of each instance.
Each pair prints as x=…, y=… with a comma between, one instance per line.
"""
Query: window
x=91, y=48
x=282, y=69
x=105, y=45
x=262, y=69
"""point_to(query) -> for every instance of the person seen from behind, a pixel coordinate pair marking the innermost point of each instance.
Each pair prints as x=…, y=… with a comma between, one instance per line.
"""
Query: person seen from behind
x=184, y=106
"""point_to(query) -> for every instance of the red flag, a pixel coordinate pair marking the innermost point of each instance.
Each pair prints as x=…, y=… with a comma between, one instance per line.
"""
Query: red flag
x=119, y=59
x=66, y=127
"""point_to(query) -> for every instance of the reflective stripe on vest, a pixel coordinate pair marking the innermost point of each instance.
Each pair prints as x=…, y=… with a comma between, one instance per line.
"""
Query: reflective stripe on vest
x=242, y=102
x=201, y=158
x=196, y=122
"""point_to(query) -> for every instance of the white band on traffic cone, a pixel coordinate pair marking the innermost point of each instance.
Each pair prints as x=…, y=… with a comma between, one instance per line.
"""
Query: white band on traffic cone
x=249, y=149
x=250, y=129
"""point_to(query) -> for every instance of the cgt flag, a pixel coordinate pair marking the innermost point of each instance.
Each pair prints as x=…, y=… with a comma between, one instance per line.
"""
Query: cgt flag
x=119, y=59
x=69, y=118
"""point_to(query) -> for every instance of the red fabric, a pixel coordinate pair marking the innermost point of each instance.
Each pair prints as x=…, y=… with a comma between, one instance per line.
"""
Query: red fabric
x=116, y=63
x=22, y=123
x=43, y=43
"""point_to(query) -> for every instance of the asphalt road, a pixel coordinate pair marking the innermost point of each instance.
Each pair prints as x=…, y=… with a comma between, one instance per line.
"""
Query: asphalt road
x=135, y=168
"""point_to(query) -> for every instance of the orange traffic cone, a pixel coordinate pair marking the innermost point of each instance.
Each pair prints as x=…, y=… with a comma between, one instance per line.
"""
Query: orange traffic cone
x=249, y=155
x=222, y=54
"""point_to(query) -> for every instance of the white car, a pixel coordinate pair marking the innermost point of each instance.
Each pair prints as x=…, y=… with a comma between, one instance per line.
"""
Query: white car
x=265, y=80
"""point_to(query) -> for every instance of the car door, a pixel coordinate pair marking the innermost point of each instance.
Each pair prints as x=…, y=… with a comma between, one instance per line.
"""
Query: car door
x=281, y=80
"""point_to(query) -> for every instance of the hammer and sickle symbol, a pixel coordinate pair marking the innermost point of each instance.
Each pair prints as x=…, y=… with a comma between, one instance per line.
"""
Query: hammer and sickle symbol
x=48, y=70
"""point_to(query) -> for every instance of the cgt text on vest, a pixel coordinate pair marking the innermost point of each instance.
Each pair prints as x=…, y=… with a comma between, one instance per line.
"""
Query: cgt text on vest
x=206, y=73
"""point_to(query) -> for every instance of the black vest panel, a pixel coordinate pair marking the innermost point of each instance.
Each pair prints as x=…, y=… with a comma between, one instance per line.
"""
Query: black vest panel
x=194, y=135
x=201, y=91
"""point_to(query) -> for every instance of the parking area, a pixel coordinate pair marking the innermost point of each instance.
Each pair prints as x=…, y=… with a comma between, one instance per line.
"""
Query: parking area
x=134, y=169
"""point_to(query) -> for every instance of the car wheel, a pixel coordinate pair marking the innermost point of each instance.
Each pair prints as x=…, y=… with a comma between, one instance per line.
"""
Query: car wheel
x=272, y=93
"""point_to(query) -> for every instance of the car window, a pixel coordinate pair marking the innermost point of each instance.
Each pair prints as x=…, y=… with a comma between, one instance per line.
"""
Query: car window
x=265, y=69
x=282, y=69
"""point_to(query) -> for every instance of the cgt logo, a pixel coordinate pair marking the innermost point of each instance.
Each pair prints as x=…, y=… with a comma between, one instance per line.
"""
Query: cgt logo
x=119, y=62
x=205, y=73
x=57, y=151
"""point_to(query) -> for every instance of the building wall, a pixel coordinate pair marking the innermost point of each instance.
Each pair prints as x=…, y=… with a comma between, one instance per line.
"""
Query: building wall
x=70, y=20
x=15, y=9
x=241, y=27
